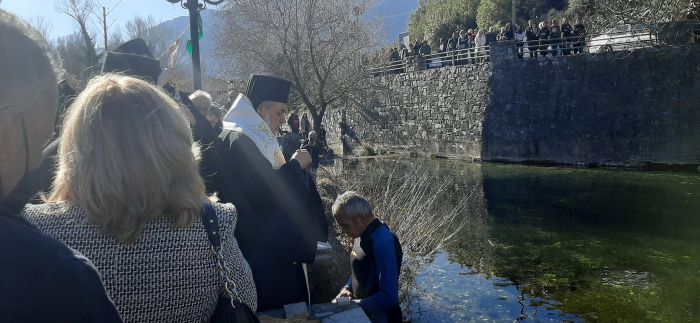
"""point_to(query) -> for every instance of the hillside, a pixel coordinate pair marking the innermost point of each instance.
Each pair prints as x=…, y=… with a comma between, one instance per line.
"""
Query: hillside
x=393, y=14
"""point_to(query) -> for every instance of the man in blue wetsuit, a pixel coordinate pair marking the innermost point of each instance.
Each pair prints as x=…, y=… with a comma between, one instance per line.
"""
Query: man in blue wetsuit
x=375, y=259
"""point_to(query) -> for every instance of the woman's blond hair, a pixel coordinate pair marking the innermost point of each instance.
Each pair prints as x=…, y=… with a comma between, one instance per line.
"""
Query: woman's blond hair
x=126, y=156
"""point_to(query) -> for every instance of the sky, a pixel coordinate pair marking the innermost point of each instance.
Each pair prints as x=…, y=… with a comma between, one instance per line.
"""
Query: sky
x=121, y=12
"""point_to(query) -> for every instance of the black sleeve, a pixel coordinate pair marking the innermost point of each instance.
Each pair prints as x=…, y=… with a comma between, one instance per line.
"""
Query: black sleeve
x=79, y=294
x=276, y=198
x=205, y=134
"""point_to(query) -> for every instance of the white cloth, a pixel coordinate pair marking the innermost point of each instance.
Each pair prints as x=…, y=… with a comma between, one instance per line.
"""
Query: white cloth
x=243, y=118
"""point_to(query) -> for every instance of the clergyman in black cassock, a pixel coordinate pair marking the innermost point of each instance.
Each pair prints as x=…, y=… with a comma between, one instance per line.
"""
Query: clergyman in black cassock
x=280, y=214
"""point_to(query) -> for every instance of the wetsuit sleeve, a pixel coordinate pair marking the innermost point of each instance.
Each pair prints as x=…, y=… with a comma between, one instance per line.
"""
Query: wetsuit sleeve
x=385, y=257
x=348, y=285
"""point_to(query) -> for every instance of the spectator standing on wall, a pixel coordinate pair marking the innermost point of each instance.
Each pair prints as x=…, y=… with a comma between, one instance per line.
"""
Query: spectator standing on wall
x=555, y=37
x=452, y=46
x=443, y=45
x=404, y=52
x=442, y=49
x=580, y=33
x=490, y=36
x=508, y=32
x=452, y=42
x=543, y=35
x=566, y=32
x=416, y=49
x=531, y=38
x=463, y=46
x=471, y=34
x=463, y=40
x=519, y=38
x=395, y=55
x=480, y=41
x=425, y=48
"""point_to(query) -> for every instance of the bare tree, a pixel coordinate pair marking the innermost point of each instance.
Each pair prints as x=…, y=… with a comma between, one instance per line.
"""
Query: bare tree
x=604, y=14
x=318, y=44
x=70, y=55
x=154, y=33
x=116, y=38
x=43, y=26
x=80, y=11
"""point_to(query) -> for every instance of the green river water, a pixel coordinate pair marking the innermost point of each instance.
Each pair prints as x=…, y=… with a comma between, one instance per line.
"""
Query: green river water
x=562, y=244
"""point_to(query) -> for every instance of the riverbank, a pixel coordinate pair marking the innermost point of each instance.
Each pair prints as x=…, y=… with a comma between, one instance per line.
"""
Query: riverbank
x=651, y=167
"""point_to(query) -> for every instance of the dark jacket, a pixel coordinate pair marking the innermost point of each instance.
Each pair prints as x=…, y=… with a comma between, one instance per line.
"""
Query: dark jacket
x=452, y=43
x=554, y=32
x=35, y=181
x=567, y=30
x=543, y=33
x=490, y=38
x=205, y=134
x=280, y=218
x=507, y=35
x=531, y=33
x=42, y=280
x=376, y=264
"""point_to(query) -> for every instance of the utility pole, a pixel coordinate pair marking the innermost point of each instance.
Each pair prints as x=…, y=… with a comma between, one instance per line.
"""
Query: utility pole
x=104, y=25
x=194, y=7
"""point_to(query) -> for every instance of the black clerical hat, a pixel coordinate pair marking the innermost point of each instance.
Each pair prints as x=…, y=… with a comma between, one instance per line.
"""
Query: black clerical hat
x=267, y=87
x=136, y=46
x=133, y=58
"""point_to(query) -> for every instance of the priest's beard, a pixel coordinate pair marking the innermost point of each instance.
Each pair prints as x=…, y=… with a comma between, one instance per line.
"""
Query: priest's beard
x=267, y=120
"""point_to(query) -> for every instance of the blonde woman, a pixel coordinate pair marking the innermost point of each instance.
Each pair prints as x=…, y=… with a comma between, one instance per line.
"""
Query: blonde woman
x=128, y=195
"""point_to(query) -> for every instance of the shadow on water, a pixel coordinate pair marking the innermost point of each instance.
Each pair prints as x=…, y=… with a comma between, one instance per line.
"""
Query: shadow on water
x=563, y=244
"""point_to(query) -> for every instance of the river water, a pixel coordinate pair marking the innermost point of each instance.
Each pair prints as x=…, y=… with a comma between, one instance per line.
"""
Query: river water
x=560, y=244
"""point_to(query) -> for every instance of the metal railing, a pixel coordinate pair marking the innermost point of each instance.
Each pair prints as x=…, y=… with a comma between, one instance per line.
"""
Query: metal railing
x=475, y=55
x=632, y=39
x=591, y=44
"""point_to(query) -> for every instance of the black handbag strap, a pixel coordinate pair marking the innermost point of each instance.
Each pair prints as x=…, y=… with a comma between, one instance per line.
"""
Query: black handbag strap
x=211, y=224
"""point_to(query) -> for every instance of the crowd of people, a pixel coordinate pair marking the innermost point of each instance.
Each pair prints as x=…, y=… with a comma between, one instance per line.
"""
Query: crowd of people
x=472, y=45
x=152, y=208
x=547, y=39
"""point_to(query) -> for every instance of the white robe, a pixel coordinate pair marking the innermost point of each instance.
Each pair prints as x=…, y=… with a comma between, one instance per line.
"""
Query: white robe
x=243, y=118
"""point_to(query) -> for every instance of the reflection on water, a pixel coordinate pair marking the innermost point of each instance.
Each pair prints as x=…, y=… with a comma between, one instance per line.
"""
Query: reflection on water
x=451, y=292
x=564, y=244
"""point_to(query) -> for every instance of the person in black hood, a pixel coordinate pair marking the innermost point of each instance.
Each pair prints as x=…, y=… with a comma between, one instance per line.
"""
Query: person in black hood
x=41, y=279
x=532, y=39
x=39, y=180
x=555, y=37
x=543, y=35
x=567, y=31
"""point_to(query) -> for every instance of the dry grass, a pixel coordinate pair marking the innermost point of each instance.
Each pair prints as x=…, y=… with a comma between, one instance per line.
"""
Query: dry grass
x=413, y=203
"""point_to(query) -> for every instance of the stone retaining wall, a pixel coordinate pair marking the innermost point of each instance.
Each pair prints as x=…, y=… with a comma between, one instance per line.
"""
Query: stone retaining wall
x=620, y=108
